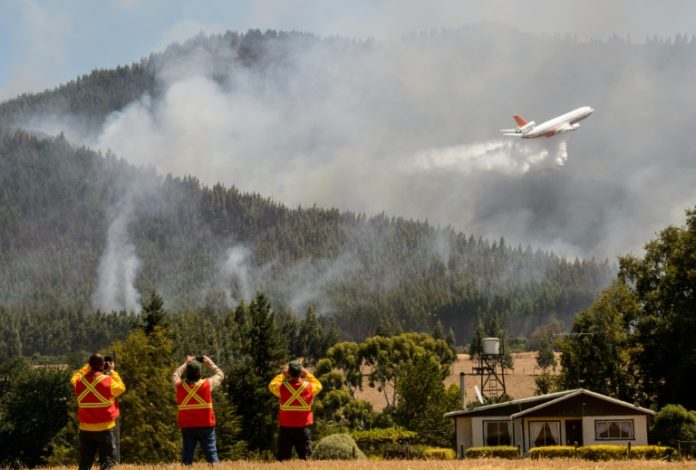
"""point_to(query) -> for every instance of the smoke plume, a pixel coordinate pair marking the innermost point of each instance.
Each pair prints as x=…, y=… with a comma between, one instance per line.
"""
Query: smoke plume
x=118, y=268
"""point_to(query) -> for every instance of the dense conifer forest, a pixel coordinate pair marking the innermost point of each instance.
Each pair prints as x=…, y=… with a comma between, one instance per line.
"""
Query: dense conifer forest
x=360, y=272
x=64, y=208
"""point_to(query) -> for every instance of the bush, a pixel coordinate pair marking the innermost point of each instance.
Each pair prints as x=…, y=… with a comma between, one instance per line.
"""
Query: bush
x=502, y=452
x=553, y=452
x=673, y=423
x=603, y=452
x=337, y=447
x=654, y=453
x=389, y=443
x=439, y=453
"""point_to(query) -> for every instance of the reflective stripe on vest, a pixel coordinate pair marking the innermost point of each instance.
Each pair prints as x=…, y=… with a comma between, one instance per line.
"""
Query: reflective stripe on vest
x=192, y=394
x=102, y=402
x=302, y=404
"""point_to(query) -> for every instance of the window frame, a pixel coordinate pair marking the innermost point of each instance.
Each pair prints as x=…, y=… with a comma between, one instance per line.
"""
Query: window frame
x=508, y=424
x=632, y=433
x=555, y=423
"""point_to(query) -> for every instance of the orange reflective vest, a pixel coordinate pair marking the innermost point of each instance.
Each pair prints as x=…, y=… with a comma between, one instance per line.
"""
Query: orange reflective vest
x=95, y=402
x=195, y=404
x=296, y=404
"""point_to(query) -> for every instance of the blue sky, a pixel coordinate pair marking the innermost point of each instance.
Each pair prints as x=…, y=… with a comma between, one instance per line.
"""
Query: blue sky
x=46, y=43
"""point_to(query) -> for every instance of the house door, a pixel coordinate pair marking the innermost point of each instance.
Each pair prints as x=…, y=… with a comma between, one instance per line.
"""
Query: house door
x=573, y=428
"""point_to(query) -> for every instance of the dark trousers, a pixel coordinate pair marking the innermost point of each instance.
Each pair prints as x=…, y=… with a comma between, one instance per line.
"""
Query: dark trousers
x=299, y=438
x=204, y=436
x=92, y=442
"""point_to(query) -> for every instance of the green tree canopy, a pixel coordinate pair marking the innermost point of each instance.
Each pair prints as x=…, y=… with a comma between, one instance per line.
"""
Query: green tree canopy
x=388, y=357
x=597, y=353
x=664, y=284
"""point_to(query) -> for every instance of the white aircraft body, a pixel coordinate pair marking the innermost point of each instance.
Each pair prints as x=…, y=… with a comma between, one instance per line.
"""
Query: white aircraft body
x=564, y=123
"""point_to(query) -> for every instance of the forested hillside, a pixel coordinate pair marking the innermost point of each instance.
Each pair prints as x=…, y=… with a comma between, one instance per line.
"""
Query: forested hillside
x=208, y=248
x=84, y=231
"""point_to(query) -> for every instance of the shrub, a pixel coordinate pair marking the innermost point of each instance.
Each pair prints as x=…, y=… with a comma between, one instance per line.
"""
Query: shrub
x=603, y=452
x=654, y=453
x=502, y=452
x=439, y=453
x=389, y=443
x=337, y=447
x=553, y=452
x=673, y=423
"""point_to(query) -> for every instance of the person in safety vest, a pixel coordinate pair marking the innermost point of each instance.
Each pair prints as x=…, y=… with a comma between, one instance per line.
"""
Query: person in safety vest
x=96, y=410
x=195, y=404
x=296, y=387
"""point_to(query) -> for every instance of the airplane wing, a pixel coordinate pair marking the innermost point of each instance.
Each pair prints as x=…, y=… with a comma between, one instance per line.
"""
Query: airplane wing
x=566, y=127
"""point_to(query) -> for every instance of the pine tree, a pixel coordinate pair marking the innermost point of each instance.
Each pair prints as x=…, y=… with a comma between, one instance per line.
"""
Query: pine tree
x=260, y=358
x=149, y=431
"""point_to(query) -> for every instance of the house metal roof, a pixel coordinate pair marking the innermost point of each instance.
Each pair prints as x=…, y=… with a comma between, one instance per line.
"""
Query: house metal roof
x=518, y=408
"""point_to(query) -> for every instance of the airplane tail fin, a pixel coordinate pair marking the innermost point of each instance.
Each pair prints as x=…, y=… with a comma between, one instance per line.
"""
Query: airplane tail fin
x=519, y=120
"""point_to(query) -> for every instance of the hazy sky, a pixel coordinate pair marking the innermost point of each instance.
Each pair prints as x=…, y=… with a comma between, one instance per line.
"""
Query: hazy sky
x=46, y=43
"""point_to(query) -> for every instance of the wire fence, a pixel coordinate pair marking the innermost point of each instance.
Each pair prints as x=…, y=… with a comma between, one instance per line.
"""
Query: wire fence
x=686, y=448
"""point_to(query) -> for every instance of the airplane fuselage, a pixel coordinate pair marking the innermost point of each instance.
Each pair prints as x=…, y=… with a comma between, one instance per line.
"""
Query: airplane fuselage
x=564, y=123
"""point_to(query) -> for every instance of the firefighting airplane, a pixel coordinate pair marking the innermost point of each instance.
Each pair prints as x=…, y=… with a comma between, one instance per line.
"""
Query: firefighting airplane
x=565, y=123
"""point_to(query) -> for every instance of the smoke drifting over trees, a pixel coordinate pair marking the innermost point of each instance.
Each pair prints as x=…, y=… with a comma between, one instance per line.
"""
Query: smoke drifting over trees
x=346, y=124
x=408, y=127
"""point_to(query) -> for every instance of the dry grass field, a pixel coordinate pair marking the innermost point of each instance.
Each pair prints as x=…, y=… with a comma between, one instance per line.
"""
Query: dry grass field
x=519, y=382
x=479, y=464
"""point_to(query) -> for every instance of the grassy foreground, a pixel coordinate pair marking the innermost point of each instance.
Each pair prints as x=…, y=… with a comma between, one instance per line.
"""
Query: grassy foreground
x=481, y=464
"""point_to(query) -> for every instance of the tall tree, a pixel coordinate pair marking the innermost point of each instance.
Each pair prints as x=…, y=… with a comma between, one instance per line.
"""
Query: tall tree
x=346, y=357
x=145, y=361
x=260, y=357
x=387, y=357
x=598, y=353
x=664, y=283
x=423, y=401
x=33, y=408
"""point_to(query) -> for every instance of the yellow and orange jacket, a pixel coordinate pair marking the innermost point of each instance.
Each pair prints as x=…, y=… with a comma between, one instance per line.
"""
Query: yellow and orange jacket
x=96, y=393
x=296, y=396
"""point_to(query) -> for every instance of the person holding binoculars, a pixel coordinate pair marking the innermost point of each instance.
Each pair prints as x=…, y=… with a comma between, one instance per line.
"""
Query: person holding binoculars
x=196, y=417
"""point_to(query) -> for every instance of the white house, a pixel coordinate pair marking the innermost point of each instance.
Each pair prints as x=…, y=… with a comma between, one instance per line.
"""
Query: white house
x=572, y=417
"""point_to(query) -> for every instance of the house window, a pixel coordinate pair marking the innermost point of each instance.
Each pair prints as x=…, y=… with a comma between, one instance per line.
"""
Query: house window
x=614, y=430
x=497, y=433
x=544, y=433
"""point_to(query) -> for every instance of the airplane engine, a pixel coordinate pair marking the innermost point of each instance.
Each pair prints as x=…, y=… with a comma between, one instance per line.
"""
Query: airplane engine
x=575, y=126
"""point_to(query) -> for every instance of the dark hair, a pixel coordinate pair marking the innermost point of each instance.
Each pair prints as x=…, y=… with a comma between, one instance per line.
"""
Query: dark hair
x=96, y=361
x=193, y=371
x=295, y=369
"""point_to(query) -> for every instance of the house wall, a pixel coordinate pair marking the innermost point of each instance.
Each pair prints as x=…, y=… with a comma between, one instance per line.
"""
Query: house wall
x=640, y=430
x=475, y=430
x=464, y=435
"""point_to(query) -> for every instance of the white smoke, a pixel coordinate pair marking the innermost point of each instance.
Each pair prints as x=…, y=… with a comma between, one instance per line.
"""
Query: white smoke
x=414, y=134
x=308, y=288
x=237, y=275
x=118, y=268
x=504, y=156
